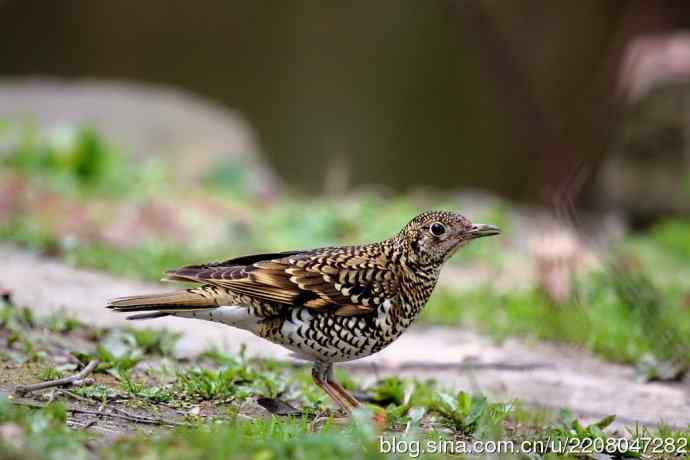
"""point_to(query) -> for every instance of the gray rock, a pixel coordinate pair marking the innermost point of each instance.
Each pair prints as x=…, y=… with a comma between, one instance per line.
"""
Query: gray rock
x=189, y=132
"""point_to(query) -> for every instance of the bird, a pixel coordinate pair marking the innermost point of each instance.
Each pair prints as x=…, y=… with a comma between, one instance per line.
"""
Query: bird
x=327, y=305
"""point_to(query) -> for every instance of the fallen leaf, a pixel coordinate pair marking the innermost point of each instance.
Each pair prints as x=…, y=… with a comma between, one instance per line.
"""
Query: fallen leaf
x=278, y=407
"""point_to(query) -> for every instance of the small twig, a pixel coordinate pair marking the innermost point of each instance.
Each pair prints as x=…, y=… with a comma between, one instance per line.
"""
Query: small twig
x=111, y=408
x=140, y=419
x=121, y=414
x=89, y=424
x=76, y=396
x=319, y=416
x=21, y=390
x=72, y=359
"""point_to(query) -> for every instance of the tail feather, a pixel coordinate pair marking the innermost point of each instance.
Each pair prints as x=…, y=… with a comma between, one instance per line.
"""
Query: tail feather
x=203, y=302
x=155, y=314
x=170, y=302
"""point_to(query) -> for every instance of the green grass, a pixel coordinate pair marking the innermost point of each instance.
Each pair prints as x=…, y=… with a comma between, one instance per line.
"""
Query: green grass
x=416, y=411
x=273, y=439
x=75, y=167
x=627, y=320
x=147, y=261
x=636, y=309
x=637, y=315
x=44, y=436
x=672, y=236
x=76, y=161
x=39, y=434
x=289, y=224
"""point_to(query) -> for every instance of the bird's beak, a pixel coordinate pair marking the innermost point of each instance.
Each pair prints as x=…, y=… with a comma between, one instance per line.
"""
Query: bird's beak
x=481, y=230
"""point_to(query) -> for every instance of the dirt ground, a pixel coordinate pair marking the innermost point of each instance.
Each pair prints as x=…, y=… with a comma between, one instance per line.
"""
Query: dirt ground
x=541, y=374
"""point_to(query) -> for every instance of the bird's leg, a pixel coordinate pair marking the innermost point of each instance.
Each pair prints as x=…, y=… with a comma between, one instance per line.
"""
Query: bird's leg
x=320, y=373
x=330, y=379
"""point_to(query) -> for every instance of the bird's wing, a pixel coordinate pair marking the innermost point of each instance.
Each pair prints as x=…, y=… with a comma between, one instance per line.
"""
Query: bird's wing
x=341, y=280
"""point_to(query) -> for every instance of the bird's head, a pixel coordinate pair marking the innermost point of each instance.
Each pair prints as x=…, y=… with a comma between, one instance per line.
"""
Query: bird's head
x=432, y=237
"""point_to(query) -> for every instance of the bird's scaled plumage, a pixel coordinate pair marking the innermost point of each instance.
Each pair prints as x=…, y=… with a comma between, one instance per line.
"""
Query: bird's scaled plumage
x=327, y=305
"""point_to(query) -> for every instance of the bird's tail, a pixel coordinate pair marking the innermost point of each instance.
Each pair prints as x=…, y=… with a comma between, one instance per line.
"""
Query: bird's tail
x=158, y=305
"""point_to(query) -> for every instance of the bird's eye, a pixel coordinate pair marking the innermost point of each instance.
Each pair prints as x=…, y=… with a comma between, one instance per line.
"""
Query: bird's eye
x=437, y=229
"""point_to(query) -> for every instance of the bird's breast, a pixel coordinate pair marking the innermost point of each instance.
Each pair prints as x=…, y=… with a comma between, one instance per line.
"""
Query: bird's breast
x=331, y=338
